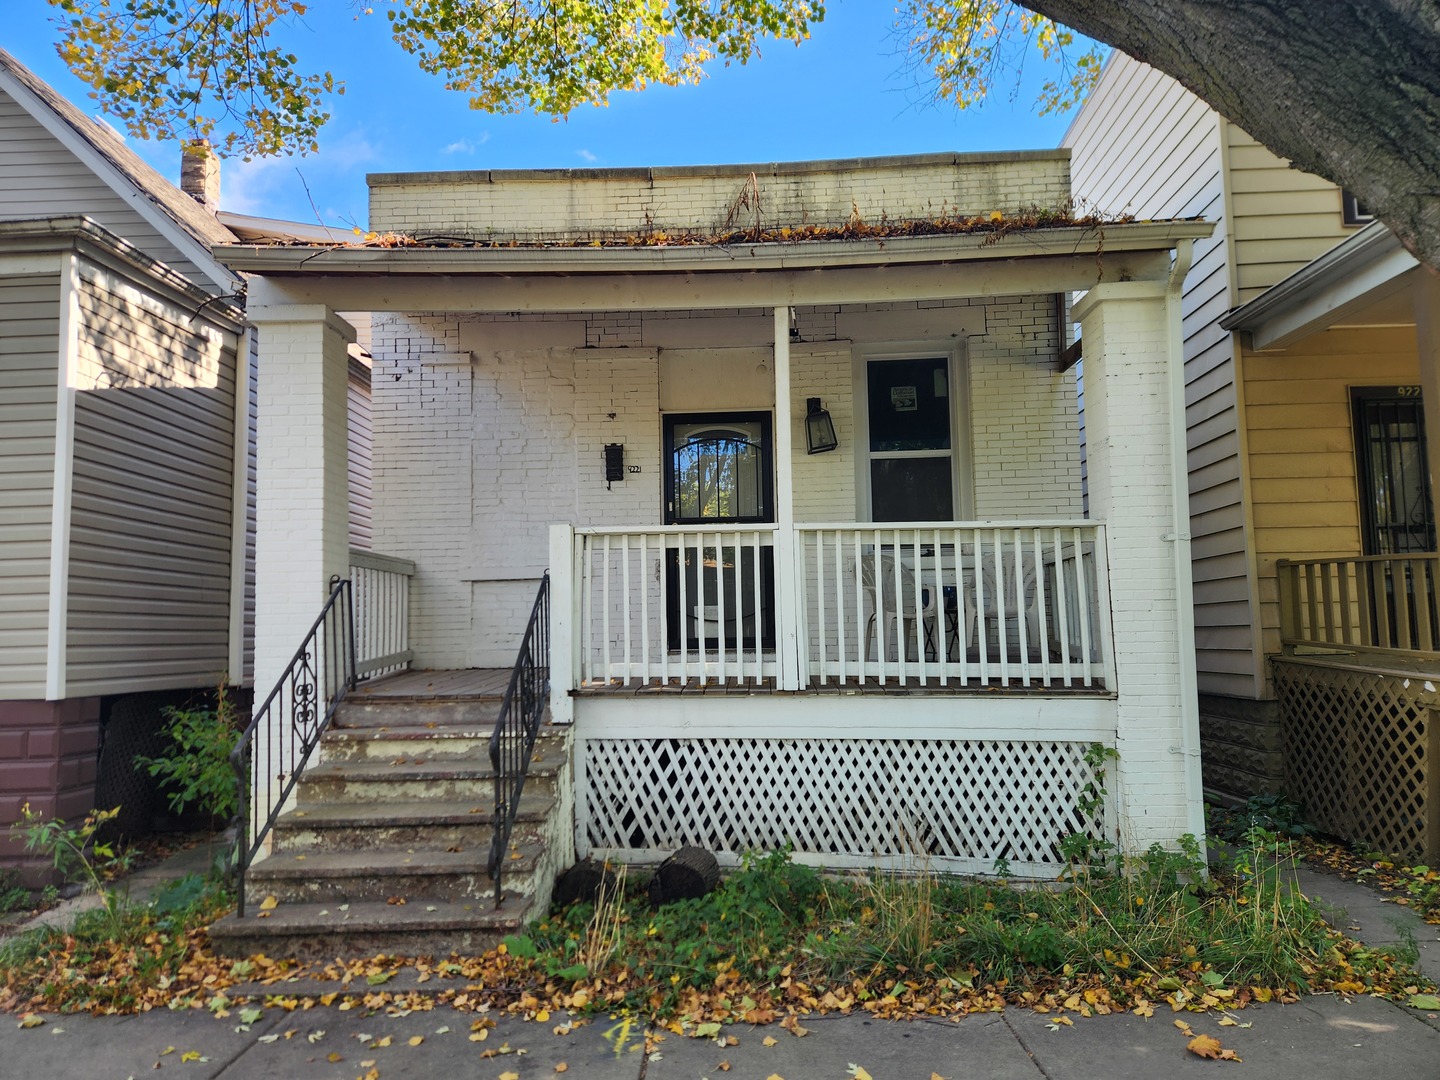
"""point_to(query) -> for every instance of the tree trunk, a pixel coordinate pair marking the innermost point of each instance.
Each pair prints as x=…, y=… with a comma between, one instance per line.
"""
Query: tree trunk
x=1346, y=89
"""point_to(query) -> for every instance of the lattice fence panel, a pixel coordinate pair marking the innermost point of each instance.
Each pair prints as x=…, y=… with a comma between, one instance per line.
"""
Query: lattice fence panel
x=1357, y=753
x=951, y=799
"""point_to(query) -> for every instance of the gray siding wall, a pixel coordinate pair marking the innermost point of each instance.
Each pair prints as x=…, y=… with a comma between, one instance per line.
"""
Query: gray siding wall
x=40, y=177
x=150, y=549
x=1143, y=144
x=29, y=365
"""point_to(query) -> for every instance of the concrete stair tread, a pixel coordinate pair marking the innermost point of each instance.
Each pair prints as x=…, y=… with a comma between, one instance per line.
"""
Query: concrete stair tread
x=284, y=865
x=533, y=807
x=373, y=916
x=411, y=770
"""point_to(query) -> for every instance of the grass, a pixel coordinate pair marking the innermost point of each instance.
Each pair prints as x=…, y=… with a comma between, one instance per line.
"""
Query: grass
x=118, y=958
x=1140, y=929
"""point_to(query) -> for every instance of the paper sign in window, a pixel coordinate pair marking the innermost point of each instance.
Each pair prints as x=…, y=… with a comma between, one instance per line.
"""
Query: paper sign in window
x=904, y=399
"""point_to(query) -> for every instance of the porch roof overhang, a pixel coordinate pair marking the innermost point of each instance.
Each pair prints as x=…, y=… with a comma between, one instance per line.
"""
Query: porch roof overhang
x=691, y=276
x=1368, y=267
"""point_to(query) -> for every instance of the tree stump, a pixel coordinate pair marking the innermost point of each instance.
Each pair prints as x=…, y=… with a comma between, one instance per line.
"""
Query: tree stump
x=688, y=874
x=585, y=882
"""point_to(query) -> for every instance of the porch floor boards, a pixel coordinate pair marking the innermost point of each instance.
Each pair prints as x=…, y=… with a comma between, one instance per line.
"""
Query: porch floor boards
x=834, y=687
x=439, y=685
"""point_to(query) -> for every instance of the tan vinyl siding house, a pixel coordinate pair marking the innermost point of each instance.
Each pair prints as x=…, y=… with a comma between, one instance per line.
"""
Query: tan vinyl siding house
x=1142, y=144
x=29, y=342
x=122, y=477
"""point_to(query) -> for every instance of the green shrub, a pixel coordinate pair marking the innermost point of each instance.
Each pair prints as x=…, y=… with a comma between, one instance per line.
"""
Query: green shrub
x=196, y=772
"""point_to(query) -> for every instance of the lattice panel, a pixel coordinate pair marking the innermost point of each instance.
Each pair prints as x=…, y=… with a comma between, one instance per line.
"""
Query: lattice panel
x=1357, y=753
x=836, y=797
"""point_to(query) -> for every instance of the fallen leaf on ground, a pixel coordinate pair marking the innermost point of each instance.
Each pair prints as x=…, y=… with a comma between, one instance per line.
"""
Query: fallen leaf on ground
x=1429, y=1002
x=562, y=1067
x=769, y=1040
x=1184, y=1028
x=269, y=903
x=416, y=1040
x=1207, y=1046
x=791, y=1024
x=858, y=1073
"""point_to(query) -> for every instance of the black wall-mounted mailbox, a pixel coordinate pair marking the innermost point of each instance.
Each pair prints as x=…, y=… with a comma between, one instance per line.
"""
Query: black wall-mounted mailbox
x=614, y=463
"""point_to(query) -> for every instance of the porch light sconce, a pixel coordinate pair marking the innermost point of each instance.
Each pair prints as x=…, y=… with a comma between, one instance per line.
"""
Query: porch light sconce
x=819, y=431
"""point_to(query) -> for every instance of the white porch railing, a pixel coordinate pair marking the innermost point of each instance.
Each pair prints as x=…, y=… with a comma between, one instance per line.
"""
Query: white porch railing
x=381, y=589
x=998, y=604
x=1010, y=604
x=676, y=604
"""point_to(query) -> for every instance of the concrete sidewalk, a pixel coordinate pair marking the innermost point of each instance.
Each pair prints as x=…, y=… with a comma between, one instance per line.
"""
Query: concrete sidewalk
x=1320, y=1035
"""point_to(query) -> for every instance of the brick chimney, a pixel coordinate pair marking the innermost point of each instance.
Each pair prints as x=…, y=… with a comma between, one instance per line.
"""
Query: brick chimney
x=200, y=173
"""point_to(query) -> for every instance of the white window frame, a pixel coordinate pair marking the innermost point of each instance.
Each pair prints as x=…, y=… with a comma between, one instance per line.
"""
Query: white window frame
x=962, y=472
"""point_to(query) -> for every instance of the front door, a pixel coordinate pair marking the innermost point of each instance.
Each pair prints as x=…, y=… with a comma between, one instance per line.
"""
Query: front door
x=719, y=470
x=1394, y=473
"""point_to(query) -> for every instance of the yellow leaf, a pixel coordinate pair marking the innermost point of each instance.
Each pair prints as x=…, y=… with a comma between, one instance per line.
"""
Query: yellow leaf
x=269, y=903
x=769, y=1040
x=509, y=1076
x=1263, y=994
x=543, y=1015
x=858, y=1073
x=562, y=1067
x=333, y=1057
x=383, y=1042
x=1184, y=1027
x=1207, y=1046
x=190, y=1055
x=30, y=1020
x=416, y=1040
x=936, y=1076
x=328, y=999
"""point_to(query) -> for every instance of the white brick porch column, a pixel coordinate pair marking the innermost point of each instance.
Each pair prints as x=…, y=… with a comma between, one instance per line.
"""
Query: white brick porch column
x=302, y=509
x=1133, y=375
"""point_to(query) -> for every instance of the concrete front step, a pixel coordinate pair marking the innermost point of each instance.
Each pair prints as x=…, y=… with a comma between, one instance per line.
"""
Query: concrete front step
x=421, y=823
x=321, y=931
x=430, y=742
x=415, y=778
x=417, y=875
x=357, y=711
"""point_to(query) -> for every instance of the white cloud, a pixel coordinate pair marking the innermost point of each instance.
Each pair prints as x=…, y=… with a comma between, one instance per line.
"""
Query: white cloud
x=272, y=187
x=586, y=155
x=466, y=146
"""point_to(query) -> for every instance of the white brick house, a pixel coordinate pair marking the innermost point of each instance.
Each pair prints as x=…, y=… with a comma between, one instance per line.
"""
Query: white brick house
x=724, y=625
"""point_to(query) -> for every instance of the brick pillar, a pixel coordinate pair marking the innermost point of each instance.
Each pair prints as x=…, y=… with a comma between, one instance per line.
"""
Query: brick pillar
x=302, y=512
x=47, y=759
x=1137, y=467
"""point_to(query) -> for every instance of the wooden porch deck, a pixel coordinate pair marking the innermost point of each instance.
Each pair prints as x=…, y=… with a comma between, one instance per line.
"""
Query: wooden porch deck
x=434, y=685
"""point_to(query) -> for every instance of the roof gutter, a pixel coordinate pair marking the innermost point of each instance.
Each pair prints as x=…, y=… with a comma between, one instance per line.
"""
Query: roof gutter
x=688, y=258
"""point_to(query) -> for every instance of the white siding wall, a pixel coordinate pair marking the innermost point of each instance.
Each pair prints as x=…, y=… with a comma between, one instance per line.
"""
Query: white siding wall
x=29, y=365
x=150, y=549
x=39, y=177
x=1145, y=145
x=360, y=463
x=475, y=458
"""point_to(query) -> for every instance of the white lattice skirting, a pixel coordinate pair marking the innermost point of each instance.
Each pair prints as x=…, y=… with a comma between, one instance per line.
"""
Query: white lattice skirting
x=959, y=805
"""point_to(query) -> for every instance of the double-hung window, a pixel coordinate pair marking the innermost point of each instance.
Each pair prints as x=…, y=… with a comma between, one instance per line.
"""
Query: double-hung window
x=910, y=467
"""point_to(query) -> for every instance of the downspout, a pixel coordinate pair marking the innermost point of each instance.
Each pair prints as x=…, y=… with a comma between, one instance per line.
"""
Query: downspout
x=1189, y=746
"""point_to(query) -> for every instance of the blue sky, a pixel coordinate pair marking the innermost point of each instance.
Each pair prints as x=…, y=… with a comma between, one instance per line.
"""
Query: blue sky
x=844, y=93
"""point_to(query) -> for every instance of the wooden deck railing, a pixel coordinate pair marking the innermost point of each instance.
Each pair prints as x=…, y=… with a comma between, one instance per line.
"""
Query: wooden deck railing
x=952, y=604
x=1374, y=603
x=382, y=612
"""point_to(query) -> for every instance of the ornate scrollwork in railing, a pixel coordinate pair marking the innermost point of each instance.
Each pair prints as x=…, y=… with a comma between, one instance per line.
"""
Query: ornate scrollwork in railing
x=513, y=740
x=284, y=731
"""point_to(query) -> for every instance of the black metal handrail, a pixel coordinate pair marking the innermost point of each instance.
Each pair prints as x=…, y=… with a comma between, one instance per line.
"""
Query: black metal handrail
x=283, y=732
x=513, y=740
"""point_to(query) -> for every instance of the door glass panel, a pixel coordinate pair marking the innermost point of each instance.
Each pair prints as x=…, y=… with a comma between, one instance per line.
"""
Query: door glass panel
x=718, y=472
x=909, y=404
x=911, y=489
x=1394, y=473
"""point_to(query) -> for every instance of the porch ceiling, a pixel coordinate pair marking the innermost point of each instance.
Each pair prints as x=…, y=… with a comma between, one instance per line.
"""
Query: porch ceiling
x=689, y=277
